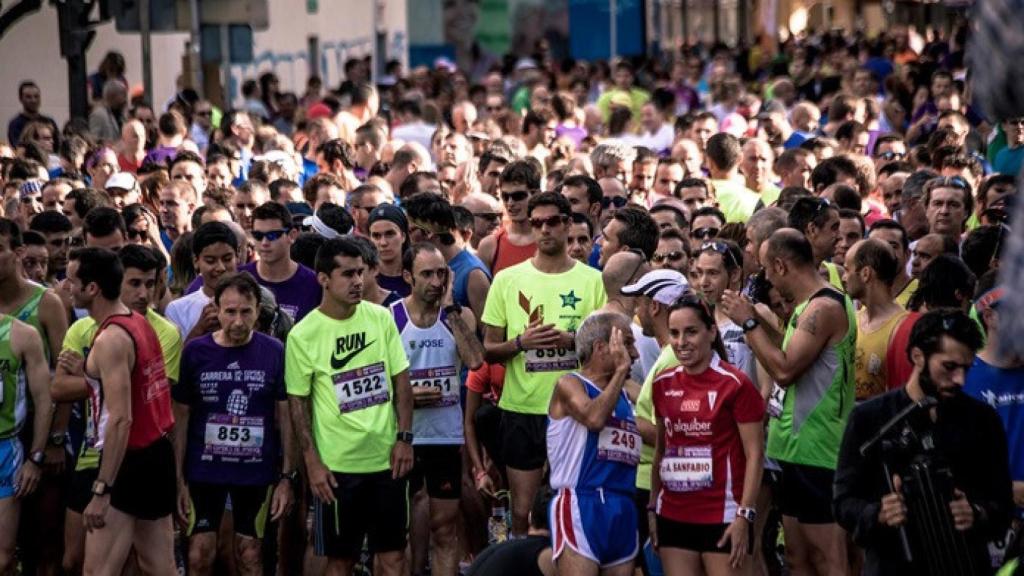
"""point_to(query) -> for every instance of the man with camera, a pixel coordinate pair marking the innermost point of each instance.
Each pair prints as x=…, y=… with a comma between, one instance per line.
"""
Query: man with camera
x=929, y=425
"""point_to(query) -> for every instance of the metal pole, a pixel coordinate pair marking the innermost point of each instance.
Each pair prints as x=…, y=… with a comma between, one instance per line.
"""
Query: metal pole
x=144, y=36
x=225, y=63
x=374, y=64
x=613, y=31
x=195, y=47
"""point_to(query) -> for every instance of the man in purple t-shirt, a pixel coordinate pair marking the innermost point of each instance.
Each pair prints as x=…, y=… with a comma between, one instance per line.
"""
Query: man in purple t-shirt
x=294, y=286
x=231, y=423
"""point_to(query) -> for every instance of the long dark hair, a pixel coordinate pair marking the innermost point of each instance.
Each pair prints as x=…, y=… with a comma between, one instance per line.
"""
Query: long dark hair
x=706, y=314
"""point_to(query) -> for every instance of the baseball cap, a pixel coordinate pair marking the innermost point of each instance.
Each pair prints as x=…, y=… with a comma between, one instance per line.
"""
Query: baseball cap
x=662, y=286
x=122, y=180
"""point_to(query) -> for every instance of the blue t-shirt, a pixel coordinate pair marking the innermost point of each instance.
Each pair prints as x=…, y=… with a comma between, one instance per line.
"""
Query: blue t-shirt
x=296, y=295
x=394, y=284
x=1002, y=389
x=1008, y=160
x=232, y=394
x=464, y=263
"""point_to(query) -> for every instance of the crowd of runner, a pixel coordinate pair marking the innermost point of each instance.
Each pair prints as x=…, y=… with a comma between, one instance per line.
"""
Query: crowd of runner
x=556, y=318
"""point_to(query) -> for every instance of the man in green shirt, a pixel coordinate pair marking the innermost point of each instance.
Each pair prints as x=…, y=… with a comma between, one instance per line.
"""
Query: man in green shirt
x=351, y=403
x=624, y=91
x=814, y=393
x=532, y=312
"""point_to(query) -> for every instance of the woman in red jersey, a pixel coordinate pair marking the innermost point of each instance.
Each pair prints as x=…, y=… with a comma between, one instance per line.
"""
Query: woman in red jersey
x=708, y=454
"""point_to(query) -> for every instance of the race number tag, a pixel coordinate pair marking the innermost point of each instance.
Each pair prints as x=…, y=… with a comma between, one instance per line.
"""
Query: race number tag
x=361, y=388
x=687, y=469
x=444, y=378
x=619, y=441
x=776, y=400
x=551, y=360
x=234, y=436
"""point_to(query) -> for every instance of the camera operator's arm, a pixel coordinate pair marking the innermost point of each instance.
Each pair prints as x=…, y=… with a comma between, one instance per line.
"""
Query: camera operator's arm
x=856, y=502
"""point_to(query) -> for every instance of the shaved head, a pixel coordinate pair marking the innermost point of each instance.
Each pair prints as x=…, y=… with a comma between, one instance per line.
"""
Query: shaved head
x=620, y=270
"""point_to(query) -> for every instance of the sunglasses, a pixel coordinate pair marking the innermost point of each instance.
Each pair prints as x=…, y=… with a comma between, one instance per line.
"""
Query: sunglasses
x=204, y=113
x=948, y=182
x=891, y=155
x=270, y=235
x=672, y=256
x=617, y=201
x=703, y=233
x=551, y=221
x=514, y=196
x=140, y=234
x=721, y=248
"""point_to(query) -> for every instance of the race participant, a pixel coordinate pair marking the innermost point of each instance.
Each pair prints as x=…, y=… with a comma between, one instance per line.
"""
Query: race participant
x=231, y=425
x=709, y=428
x=818, y=220
x=892, y=233
x=593, y=447
x=42, y=309
x=673, y=252
x=141, y=266
x=517, y=242
x=629, y=228
x=998, y=380
x=438, y=340
x=389, y=231
x=814, y=374
x=623, y=269
x=532, y=310
x=719, y=267
x=871, y=268
x=581, y=238
x=133, y=494
x=294, y=286
x=215, y=254
x=869, y=494
x=372, y=292
x=351, y=406
x=851, y=229
x=433, y=220
x=23, y=372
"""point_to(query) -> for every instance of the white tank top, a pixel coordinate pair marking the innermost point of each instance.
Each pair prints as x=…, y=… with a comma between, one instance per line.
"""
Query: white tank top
x=433, y=361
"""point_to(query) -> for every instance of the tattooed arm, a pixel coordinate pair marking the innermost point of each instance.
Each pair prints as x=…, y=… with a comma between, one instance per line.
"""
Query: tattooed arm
x=821, y=322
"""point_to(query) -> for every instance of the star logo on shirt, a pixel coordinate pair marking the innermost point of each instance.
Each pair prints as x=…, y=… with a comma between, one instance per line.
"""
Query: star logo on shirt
x=570, y=300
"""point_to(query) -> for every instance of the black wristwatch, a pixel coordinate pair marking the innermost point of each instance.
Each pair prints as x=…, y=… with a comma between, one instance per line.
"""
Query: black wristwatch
x=37, y=457
x=405, y=436
x=57, y=439
x=100, y=488
x=291, y=477
x=750, y=324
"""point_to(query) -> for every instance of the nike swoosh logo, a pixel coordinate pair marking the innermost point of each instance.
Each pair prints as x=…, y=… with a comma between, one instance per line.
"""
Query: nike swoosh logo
x=339, y=363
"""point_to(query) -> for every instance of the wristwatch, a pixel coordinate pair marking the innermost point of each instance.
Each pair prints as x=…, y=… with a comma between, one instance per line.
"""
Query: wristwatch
x=404, y=436
x=100, y=488
x=750, y=324
x=57, y=439
x=748, y=514
x=37, y=457
x=292, y=476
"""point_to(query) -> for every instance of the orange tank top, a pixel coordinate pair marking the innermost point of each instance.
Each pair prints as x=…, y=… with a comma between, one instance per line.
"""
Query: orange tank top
x=507, y=254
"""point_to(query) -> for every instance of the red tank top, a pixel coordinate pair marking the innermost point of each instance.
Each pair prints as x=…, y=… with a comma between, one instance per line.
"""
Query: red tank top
x=507, y=254
x=151, y=392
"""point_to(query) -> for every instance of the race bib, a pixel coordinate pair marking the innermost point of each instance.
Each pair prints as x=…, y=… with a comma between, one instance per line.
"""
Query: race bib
x=551, y=360
x=361, y=388
x=619, y=441
x=234, y=436
x=776, y=400
x=444, y=378
x=687, y=469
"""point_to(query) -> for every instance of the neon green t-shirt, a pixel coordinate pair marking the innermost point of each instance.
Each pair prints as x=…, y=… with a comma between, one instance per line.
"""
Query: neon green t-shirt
x=347, y=366
x=636, y=97
x=735, y=200
x=522, y=293
x=78, y=339
x=645, y=411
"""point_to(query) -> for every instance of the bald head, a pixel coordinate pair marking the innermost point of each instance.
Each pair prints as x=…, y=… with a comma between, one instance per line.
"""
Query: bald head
x=620, y=270
x=790, y=246
x=612, y=186
x=479, y=202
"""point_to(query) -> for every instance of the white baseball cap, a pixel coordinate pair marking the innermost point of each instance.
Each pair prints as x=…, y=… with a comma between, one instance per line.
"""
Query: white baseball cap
x=122, y=180
x=662, y=286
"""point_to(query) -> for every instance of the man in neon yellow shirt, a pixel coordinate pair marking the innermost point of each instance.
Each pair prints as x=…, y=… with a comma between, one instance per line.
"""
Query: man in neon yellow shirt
x=141, y=266
x=623, y=90
x=722, y=155
x=530, y=318
x=352, y=408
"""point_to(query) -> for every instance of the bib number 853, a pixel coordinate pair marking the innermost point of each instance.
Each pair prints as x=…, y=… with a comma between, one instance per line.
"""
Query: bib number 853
x=233, y=434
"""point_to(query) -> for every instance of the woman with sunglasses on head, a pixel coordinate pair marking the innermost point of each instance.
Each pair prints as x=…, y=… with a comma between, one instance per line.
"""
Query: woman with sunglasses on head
x=708, y=453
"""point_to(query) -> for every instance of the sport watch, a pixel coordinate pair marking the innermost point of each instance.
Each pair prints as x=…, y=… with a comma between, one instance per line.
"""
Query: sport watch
x=748, y=514
x=37, y=457
x=750, y=324
x=292, y=476
x=57, y=439
x=100, y=488
x=405, y=436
